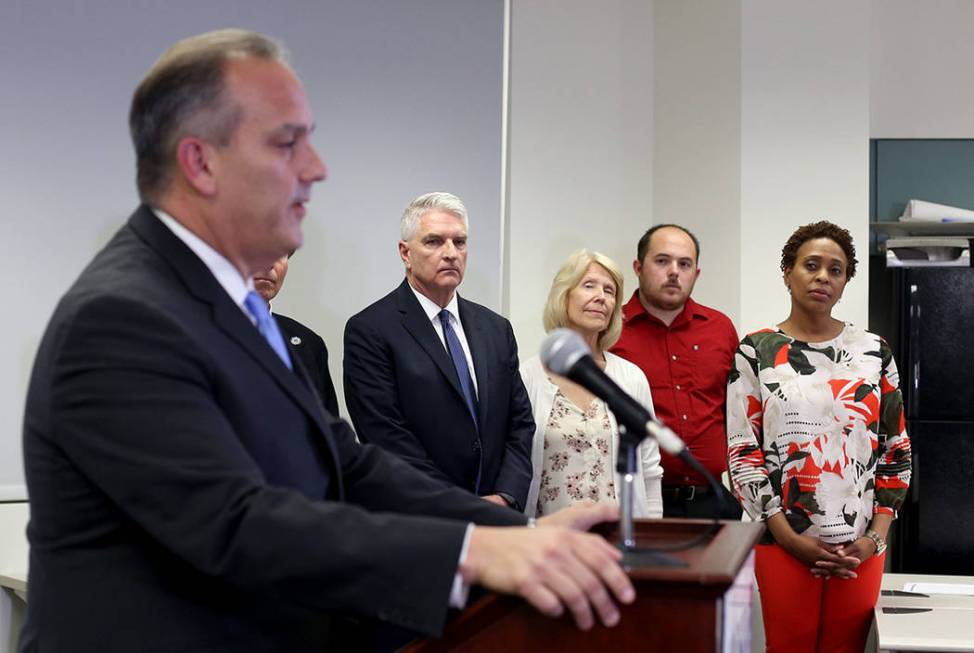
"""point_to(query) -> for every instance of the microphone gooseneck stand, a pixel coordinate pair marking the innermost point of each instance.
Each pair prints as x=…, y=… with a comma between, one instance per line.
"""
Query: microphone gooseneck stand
x=655, y=556
x=632, y=554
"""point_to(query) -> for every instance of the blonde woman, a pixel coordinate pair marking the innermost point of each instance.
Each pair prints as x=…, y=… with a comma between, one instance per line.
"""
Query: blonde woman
x=576, y=436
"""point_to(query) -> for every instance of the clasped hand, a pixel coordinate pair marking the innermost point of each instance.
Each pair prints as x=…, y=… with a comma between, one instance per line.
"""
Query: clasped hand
x=828, y=560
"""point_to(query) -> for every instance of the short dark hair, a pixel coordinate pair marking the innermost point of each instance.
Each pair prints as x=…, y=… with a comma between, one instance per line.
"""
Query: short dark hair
x=820, y=229
x=643, y=245
x=183, y=94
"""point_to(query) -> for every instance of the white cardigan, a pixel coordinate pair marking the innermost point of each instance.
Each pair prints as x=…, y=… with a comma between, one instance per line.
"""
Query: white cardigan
x=647, y=497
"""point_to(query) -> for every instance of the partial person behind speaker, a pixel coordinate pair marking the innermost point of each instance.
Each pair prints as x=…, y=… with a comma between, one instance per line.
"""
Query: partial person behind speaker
x=685, y=350
x=433, y=377
x=576, y=438
x=305, y=345
x=818, y=451
x=188, y=492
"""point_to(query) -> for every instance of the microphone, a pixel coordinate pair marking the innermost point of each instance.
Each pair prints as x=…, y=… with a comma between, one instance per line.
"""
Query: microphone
x=565, y=353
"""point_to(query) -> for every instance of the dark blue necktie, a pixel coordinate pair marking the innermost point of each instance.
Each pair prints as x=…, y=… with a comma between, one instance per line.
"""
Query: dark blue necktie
x=267, y=325
x=460, y=363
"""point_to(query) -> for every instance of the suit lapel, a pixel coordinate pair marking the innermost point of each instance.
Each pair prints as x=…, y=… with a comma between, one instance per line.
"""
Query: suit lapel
x=416, y=322
x=300, y=369
x=477, y=340
x=229, y=318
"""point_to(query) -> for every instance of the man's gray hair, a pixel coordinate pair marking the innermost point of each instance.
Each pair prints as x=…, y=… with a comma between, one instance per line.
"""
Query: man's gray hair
x=182, y=95
x=438, y=201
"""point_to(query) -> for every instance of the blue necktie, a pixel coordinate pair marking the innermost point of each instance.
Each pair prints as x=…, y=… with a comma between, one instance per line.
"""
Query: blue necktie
x=460, y=363
x=267, y=325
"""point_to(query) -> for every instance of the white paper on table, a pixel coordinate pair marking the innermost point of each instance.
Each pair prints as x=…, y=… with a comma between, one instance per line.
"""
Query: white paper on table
x=921, y=211
x=940, y=588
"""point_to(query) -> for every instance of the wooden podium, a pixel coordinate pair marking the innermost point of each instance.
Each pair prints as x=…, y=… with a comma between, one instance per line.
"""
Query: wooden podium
x=676, y=608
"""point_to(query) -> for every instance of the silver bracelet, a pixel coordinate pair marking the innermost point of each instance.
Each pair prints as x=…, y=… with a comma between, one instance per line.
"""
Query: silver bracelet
x=877, y=540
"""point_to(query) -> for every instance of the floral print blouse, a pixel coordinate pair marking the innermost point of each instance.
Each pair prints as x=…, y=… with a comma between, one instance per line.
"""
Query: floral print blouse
x=577, y=463
x=817, y=430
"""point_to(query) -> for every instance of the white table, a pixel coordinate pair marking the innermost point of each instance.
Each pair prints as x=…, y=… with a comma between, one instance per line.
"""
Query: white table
x=924, y=623
x=13, y=572
x=15, y=581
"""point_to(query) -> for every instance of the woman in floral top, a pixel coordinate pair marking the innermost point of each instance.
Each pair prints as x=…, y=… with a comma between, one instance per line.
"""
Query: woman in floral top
x=576, y=438
x=818, y=450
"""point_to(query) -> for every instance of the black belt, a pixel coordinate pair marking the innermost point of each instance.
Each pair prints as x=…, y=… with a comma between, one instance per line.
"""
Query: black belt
x=685, y=492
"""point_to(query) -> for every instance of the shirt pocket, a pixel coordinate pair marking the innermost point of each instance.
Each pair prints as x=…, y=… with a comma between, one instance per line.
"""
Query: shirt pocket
x=709, y=366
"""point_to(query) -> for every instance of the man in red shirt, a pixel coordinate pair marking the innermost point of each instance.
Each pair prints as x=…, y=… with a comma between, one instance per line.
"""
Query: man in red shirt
x=686, y=351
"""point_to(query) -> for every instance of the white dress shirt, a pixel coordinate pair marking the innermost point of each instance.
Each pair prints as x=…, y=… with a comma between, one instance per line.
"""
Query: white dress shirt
x=433, y=313
x=223, y=270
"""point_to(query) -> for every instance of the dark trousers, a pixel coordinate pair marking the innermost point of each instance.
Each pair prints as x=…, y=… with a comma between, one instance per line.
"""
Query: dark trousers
x=701, y=506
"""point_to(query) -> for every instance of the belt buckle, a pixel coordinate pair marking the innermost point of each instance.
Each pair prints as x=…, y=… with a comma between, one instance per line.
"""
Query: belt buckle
x=692, y=494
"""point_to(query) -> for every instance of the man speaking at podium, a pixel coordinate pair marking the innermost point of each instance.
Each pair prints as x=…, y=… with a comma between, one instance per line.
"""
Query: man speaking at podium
x=188, y=492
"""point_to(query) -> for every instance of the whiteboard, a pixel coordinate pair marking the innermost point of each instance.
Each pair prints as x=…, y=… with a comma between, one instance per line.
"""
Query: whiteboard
x=407, y=96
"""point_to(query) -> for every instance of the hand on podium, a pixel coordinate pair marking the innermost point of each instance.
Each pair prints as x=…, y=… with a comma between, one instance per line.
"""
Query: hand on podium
x=555, y=566
x=581, y=516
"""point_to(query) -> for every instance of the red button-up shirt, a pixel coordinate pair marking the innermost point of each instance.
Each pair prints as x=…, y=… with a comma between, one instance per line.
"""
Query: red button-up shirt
x=687, y=364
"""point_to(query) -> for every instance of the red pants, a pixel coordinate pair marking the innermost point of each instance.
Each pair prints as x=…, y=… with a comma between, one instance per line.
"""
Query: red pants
x=803, y=612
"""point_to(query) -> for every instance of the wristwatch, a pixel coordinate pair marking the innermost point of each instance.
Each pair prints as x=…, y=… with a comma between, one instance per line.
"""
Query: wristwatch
x=509, y=500
x=877, y=540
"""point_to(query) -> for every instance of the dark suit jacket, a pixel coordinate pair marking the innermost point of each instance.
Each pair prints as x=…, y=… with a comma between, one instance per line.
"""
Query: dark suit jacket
x=188, y=493
x=308, y=347
x=403, y=393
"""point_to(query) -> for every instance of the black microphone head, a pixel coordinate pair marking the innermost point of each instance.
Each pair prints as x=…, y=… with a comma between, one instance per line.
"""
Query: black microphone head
x=562, y=349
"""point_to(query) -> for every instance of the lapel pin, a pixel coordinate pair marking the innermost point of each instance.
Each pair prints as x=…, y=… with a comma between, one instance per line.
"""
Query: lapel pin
x=295, y=340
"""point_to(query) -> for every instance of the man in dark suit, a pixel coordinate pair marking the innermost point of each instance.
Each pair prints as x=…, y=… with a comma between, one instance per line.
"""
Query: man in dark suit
x=188, y=493
x=433, y=377
x=304, y=344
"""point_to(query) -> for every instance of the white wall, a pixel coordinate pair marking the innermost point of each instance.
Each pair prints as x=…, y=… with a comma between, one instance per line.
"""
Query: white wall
x=580, y=142
x=787, y=118
x=740, y=119
x=920, y=69
x=406, y=95
x=804, y=141
x=697, y=137
x=762, y=124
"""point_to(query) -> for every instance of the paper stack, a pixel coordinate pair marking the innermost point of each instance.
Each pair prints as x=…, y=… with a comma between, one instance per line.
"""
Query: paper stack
x=920, y=211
